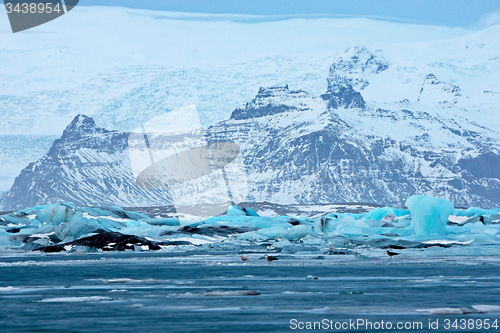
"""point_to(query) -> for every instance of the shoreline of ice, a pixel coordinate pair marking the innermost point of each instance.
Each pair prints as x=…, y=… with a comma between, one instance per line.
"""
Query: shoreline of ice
x=429, y=227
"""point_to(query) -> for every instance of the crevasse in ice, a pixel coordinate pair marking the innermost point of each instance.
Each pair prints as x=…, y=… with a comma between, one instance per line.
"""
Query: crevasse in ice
x=429, y=224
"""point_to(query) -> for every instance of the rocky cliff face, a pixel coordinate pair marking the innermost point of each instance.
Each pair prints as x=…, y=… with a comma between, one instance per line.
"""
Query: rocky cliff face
x=269, y=101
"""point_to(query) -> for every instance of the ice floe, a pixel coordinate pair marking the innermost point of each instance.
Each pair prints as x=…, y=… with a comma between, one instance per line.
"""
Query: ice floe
x=487, y=308
x=428, y=227
x=76, y=299
x=232, y=293
x=8, y=290
x=448, y=311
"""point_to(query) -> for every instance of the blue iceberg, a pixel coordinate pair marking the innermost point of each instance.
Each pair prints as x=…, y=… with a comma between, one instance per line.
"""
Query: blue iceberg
x=429, y=215
x=428, y=223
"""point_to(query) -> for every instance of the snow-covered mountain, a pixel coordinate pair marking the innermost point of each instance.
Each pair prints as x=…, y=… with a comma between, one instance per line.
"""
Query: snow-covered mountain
x=88, y=165
x=304, y=148
x=122, y=75
x=68, y=67
x=339, y=148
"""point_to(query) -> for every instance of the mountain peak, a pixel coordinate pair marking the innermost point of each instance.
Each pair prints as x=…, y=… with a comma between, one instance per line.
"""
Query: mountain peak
x=279, y=92
x=431, y=77
x=434, y=91
x=81, y=125
x=81, y=121
x=357, y=59
x=351, y=69
x=269, y=101
x=269, y=91
x=356, y=53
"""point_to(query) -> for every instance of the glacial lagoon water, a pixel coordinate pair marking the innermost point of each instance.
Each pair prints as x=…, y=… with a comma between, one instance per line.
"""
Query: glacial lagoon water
x=213, y=292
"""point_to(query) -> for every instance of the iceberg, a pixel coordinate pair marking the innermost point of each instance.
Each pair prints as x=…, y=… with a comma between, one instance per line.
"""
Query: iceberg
x=239, y=211
x=428, y=223
x=163, y=221
x=56, y=213
x=298, y=232
x=429, y=215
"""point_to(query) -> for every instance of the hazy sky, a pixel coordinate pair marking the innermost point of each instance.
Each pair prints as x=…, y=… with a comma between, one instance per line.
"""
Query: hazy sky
x=465, y=13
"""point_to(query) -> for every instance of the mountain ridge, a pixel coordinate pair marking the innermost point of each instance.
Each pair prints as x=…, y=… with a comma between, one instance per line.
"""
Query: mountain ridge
x=308, y=149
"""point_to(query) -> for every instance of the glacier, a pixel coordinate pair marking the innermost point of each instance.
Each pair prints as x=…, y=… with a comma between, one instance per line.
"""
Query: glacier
x=428, y=226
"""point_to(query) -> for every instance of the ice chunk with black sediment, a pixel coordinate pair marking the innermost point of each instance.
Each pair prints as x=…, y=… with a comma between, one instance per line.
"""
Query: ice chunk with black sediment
x=59, y=227
x=56, y=213
x=76, y=227
x=107, y=241
x=240, y=211
x=326, y=223
x=457, y=220
x=209, y=230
